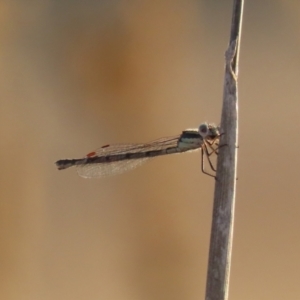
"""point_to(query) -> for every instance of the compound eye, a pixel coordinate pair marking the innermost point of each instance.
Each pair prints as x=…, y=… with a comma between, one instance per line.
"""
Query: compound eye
x=203, y=130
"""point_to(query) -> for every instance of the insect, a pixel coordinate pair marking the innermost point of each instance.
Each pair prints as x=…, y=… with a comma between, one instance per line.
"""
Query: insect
x=116, y=159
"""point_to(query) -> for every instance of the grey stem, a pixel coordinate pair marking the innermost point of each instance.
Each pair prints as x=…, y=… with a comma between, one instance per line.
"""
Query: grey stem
x=217, y=284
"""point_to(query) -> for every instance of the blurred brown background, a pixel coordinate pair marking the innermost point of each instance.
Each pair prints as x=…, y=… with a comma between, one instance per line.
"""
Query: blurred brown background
x=76, y=75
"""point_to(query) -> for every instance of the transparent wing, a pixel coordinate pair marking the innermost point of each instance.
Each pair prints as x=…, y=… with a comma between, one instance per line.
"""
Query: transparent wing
x=109, y=168
x=159, y=144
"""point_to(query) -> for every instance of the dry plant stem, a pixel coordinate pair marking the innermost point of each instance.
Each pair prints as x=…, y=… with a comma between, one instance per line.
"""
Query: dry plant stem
x=223, y=210
x=224, y=198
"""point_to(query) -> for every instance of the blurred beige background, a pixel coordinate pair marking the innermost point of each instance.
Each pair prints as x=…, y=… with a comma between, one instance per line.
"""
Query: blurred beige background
x=76, y=75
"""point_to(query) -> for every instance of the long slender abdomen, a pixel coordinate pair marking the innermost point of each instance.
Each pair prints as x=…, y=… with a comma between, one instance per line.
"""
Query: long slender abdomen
x=67, y=163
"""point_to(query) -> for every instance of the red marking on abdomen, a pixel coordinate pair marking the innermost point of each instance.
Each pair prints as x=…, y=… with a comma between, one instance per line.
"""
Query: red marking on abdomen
x=105, y=146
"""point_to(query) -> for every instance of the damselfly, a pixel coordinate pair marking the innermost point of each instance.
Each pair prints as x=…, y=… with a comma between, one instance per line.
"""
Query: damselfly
x=115, y=159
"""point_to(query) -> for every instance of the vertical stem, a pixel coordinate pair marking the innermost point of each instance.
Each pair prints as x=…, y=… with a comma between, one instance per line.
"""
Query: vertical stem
x=224, y=198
